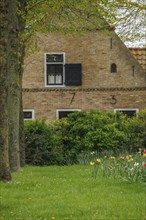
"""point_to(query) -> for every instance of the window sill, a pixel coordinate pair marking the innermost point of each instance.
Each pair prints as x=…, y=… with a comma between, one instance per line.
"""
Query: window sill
x=54, y=86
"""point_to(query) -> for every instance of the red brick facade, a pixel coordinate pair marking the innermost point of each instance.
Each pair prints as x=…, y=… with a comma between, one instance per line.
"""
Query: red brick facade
x=100, y=89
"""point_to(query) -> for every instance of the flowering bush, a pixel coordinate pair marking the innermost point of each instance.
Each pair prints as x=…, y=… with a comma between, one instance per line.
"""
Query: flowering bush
x=131, y=168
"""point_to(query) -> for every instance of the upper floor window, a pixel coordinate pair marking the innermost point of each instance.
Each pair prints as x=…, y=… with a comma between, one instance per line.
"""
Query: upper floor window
x=113, y=68
x=57, y=73
x=54, y=68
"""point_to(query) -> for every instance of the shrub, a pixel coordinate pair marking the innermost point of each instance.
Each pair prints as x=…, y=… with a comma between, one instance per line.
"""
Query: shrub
x=90, y=131
x=137, y=130
x=42, y=145
x=63, y=141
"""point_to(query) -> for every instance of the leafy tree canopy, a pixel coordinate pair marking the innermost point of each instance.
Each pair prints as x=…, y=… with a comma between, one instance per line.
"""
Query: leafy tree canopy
x=71, y=16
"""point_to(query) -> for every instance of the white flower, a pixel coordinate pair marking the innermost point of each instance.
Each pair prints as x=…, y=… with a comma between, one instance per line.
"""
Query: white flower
x=93, y=152
x=131, y=169
x=136, y=164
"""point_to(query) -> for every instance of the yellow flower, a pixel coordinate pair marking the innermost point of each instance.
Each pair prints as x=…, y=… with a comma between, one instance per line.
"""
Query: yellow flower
x=98, y=160
x=112, y=158
x=130, y=159
x=92, y=163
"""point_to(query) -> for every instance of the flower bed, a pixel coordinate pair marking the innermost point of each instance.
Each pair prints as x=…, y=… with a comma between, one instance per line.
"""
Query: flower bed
x=131, y=168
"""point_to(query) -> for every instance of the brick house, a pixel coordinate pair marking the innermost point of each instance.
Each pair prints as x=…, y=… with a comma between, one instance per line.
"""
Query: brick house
x=90, y=71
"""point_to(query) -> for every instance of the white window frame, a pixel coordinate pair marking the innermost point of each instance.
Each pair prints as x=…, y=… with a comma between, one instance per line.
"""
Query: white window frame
x=33, y=114
x=45, y=69
x=66, y=110
x=126, y=109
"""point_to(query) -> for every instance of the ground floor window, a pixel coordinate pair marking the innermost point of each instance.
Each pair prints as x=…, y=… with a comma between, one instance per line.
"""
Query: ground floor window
x=62, y=113
x=28, y=114
x=130, y=112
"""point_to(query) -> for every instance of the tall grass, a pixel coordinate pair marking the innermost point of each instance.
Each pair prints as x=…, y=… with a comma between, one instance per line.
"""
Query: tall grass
x=69, y=192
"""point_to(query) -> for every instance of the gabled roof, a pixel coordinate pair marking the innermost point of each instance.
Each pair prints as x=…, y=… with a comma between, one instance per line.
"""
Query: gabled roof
x=140, y=55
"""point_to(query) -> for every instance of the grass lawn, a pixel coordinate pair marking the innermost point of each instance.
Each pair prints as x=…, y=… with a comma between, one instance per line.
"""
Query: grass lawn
x=70, y=193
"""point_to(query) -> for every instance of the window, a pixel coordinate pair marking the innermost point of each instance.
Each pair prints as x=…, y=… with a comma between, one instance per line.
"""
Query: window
x=62, y=113
x=130, y=112
x=113, y=68
x=54, y=69
x=57, y=73
x=28, y=114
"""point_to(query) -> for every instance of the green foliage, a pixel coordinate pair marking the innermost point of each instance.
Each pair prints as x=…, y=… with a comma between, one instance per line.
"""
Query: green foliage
x=78, y=16
x=64, y=140
x=42, y=146
x=93, y=130
x=137, y=130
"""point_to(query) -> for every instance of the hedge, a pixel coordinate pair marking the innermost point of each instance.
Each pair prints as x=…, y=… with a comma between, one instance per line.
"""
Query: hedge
x=62, y=141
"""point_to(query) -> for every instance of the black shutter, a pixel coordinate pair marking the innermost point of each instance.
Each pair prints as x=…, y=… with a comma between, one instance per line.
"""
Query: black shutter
x=73, y=74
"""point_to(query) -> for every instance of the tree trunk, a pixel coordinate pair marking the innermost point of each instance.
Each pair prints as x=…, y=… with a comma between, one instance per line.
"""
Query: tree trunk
x=22, y=4
x=4, y=153
x=14, y=88
x=21, y=135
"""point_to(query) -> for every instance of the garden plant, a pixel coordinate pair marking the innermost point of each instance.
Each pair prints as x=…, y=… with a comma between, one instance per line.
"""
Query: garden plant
x=63, y=141
x=88, y=166
x=129, y=168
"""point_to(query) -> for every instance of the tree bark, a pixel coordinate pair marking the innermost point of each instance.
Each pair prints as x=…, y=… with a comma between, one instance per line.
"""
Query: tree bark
x=4, y=152
x=21, y=134
x=21, y=20
x=14, y=88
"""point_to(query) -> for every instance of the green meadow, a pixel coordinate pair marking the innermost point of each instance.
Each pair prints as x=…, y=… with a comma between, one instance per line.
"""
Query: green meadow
x=70, y=193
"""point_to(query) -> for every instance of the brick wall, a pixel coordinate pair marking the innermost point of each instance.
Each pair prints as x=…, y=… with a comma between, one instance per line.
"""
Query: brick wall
x=45, y=103
x=100, y=88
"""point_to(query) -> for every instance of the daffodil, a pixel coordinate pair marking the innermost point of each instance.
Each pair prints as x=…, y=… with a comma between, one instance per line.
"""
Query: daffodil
x=98, y=160
x=130, y=160
x=112, y=158
x=92, y=163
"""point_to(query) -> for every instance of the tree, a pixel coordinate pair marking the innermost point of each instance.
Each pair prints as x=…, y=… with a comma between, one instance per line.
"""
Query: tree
x=14, y=89
x=10, y=87
x=21, y=20
x=5, y=30
x=130, y=22
x=67, y=16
